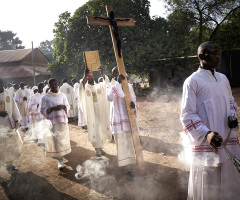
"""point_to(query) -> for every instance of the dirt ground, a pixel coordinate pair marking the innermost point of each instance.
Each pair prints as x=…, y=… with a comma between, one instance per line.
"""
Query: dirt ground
x=165, y=177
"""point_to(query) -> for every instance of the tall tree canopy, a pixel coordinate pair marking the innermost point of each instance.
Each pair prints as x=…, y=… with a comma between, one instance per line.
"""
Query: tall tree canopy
x=9, y=41
x=207, y=14
x=47, y=48
x=189, y=23
x=73, y=36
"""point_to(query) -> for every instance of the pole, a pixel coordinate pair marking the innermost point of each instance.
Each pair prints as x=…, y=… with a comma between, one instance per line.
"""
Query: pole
x=34, y=78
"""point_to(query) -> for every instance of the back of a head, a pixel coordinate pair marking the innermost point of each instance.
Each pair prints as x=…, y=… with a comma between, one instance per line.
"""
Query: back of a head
x=64, y=80
x=51, y=80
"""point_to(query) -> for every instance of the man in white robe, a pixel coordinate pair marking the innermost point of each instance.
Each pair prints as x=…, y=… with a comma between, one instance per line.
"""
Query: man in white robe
x=95, y=108
x=21, y=97
x=10, y=139
x=207, y=104
x=120, y=125
x=81, y=119
x=68, y=91
x=36, y=115
x=54, y=107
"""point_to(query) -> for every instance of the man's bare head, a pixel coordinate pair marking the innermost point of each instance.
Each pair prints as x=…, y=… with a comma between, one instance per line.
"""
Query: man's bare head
x=115, y=72
x=209, y=55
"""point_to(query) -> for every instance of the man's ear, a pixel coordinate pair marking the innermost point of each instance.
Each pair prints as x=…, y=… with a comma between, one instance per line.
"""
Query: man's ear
x=201, y=56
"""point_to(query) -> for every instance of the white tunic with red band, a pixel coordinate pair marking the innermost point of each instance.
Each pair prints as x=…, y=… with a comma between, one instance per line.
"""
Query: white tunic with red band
x=207, y=102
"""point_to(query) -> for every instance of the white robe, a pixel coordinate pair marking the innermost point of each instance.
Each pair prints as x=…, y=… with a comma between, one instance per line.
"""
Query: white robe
x=68, y=91
x=207, y=102
x=34, y=105
x=23, y=107
x=57, y=142
x=95, y=108
x=119, y=121
x=81, y=119
x=10, y=139
x=118, y=111
x=46, y=87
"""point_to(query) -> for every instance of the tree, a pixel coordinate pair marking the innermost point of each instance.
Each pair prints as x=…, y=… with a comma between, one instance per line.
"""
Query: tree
x=73, y=36
x=228, y=34
x=47, y=48
x=8, y=41
x=208, y=14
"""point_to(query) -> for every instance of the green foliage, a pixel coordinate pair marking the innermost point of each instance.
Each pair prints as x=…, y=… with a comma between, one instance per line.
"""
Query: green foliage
x=150, y=41
x=8, y=41
x=47, y=48
x=73, y=37
x=228, y=35
x=206, y=14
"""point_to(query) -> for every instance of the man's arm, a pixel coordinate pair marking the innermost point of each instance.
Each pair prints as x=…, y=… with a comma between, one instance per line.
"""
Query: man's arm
x=192, y=123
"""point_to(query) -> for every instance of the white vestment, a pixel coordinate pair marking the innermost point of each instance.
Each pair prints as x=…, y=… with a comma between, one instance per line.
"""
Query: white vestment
x=207, y=102
x=95, y=107
x=34, y=105
x=46, y=87
x=81, y=119
x=23, y=107
x=10, y=139
x=119, y=121
x=57, y=143
x=68, y=91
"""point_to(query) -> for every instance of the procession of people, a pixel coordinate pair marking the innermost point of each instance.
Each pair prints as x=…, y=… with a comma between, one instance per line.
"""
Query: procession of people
x=43, y=113
x=208, y=115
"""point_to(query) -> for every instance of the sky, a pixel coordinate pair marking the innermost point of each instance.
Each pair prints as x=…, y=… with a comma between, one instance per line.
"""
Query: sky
x=34, y=20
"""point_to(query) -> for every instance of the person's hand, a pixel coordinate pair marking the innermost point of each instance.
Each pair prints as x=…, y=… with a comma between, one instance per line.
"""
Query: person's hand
x=232, y=122
x=132, y=105
x=60, y=107
x=120, y=78
x=86, y=72
x=214, y=139
x=101, y=70
x=3, y=113
x=24, y=98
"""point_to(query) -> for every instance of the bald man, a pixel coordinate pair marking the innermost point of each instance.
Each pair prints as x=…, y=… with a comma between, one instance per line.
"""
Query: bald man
x=209, y=117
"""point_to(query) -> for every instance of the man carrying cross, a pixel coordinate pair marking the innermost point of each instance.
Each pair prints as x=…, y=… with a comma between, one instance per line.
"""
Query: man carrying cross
x=121, y=68
x=119, y=120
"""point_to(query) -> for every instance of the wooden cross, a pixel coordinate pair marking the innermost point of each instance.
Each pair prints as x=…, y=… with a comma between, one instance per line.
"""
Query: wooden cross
x=121, y=69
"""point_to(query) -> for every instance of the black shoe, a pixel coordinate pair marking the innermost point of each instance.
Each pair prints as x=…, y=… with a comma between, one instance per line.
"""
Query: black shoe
x=129, y=176
x=99, y=155
x=103, y=153
x=11, y=169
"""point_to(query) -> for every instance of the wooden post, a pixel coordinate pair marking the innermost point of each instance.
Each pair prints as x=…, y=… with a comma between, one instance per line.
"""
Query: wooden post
x=121, y=68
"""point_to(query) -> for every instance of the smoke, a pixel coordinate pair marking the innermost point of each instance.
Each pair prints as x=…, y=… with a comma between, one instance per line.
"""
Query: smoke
x=91, y=169
x=198, y=159
x=39, y=131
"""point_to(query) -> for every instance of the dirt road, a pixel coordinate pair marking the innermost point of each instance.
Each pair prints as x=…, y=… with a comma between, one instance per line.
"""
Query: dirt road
x=165, y=176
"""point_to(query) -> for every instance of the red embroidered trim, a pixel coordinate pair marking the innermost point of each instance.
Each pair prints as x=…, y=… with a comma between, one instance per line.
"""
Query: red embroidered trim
x=58, y=116
x=119, y=123
x=209, y=148
x=232, y=107
x=115, y=92
x=127, y=159
x=59, y=151
x=192, y=125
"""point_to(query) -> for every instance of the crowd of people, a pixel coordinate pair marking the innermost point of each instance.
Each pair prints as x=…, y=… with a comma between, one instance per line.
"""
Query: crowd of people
x=99, y=107
x=208, y=115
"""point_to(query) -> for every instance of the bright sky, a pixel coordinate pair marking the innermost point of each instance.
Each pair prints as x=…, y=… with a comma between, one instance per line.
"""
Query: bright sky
x=34, y=20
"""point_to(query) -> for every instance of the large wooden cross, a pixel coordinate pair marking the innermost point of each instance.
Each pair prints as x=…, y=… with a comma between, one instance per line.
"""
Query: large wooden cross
x=121, y=69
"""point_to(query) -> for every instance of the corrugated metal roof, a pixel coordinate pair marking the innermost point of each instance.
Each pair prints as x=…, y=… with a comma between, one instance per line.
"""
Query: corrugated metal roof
x=22, y=71
x=13, y=55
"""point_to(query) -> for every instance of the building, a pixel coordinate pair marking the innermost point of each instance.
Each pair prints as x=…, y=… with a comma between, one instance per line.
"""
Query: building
x=17, y=65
